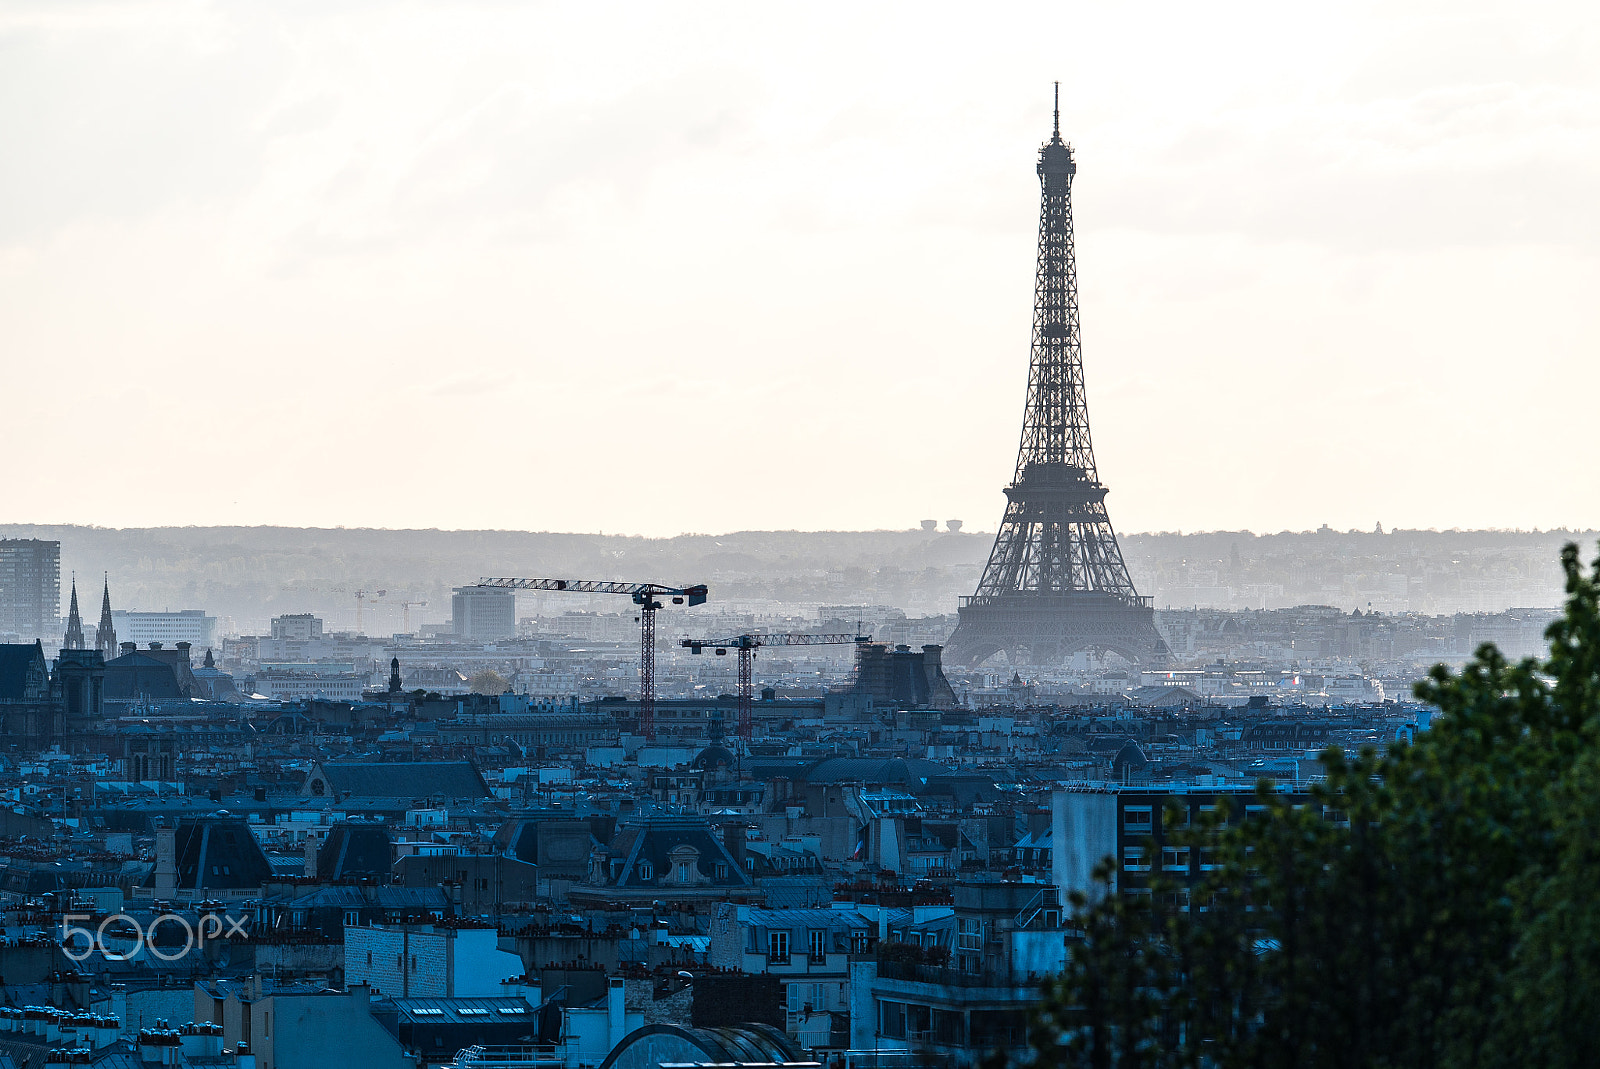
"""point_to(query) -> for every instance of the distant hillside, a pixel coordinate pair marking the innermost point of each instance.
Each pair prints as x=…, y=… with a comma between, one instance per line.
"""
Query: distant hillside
x=249, y=574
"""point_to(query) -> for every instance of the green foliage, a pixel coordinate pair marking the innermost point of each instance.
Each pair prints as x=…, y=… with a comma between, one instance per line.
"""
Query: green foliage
x=1452, y=919
x=488, y=681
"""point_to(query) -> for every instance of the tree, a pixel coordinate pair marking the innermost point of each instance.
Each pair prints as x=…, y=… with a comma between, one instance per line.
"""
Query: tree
x=1451, y=918
x=488, y=681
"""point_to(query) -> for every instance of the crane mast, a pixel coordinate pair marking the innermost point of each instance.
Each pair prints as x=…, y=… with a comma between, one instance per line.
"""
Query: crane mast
x=746, y=646
x=644, y=595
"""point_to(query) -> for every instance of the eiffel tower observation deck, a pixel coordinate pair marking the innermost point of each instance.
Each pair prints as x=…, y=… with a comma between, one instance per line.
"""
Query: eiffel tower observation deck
x=1055, y=583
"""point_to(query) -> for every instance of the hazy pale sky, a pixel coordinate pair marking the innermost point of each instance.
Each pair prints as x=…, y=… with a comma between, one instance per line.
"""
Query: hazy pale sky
x=655, y=268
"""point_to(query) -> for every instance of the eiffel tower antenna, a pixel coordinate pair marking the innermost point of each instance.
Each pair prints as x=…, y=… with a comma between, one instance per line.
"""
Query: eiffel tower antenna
x=1055, y=583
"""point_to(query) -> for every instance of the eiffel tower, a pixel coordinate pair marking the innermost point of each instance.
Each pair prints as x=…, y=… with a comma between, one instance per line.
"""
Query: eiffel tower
x=1055, y=583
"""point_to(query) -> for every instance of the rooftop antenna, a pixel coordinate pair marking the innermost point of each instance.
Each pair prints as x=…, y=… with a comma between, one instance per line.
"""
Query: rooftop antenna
x=1057, y=137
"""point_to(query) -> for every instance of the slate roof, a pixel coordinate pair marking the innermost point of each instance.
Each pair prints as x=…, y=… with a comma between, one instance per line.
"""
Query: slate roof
x=355, y=850
x=567, y=839
x=478, y=1011
x=16, y=661
x=449, y=780
x=218, y=853
x=655, y=839
x=833, y=920
x=350, y=896
x=136, y=675
x=903, y=771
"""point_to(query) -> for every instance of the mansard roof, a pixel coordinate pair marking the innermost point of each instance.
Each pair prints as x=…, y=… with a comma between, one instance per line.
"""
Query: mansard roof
x=446, y=780
x=24, y=676
x=659, y=840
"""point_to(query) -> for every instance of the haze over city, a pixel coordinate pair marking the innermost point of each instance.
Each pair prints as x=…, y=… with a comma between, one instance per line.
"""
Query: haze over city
x=522, y=549
x=652, y=270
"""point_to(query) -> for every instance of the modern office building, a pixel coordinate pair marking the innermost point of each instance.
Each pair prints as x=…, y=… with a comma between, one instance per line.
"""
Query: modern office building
x=481, y=614
x=168, y=628
x=30, y=589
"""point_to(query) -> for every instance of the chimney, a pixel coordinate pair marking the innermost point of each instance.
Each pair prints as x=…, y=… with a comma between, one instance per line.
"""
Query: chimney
x=166, y=876
x=616, y=1011
x=733, y=838
x=311, y=855
x=127, y=647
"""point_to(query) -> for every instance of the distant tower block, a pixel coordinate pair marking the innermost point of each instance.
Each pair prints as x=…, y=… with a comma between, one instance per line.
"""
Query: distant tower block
x=1055, y=583
x=930, y=525
x=953, y=526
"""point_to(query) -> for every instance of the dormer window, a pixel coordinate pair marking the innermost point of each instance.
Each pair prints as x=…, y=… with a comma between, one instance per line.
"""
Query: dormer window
x=646, y=871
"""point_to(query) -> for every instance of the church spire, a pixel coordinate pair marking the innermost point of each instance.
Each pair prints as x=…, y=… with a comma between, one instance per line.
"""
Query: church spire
x=74, y=637
x=105, y=636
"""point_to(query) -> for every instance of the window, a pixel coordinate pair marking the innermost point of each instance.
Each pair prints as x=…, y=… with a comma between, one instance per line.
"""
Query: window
x=473, y=1011
x=794, y=998
x=819, y=997
x=722, y=870
x=683, y=872
x=778, y=946
x=1137, y=818
x=969, y=934
x=646, y=871
x=352, y=917
x=1208, y=859
x=818, y=947
x=369, y=959
x=1134, y=860
x=891, y=1019
x=1175, y=859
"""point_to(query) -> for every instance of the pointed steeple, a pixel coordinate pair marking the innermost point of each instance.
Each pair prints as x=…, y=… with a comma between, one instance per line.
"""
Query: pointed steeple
x=74, y=637
x=105, y=637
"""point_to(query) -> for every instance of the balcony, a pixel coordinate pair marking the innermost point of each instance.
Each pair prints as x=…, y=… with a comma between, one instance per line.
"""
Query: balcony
x=940, y=975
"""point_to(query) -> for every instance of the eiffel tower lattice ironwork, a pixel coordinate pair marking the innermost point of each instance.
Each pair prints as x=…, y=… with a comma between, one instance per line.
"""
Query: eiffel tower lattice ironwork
x=1055, y=583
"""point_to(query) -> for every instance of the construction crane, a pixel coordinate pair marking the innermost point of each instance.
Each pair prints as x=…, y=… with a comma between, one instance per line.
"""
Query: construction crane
x=645, y=595
x=362, y=597
x=406, y=607
x=746, y=645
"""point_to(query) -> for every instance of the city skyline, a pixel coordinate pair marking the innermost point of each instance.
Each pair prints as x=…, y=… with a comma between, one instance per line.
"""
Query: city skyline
x=732, y=271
